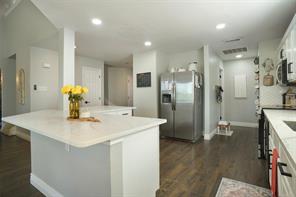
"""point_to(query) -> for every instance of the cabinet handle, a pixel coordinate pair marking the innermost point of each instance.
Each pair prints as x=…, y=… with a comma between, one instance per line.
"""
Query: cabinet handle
x=290, y=67
x=125, y=114
x=270, y=160
x=280, y=164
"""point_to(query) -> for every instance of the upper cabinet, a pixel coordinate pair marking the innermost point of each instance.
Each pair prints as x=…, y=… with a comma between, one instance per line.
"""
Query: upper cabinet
x=287, y=50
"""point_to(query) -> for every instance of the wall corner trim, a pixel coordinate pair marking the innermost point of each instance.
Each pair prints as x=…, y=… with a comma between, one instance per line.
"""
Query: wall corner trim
x=244, y=124
x=43, y=187
x=209, y=136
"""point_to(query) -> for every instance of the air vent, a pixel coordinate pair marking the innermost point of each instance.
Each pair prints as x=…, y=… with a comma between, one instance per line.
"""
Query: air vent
x=237, y=50
x=233, y=40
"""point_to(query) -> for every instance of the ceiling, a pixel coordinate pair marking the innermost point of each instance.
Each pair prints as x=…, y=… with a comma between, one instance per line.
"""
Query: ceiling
x=171, y=25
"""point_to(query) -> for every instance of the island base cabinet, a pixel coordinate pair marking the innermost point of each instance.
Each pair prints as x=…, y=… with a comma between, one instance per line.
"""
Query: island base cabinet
x=125, y=167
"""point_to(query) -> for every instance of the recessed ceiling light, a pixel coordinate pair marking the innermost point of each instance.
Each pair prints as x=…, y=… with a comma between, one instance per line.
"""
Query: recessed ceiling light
x=96, y=21
x=239, y=56
x=147, y=43
x=221, y=26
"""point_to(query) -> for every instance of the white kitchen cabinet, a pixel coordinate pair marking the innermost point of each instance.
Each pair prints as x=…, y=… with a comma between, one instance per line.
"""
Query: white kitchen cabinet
x=290, y=53
x=121, y=112
x=288, y=50
x=286, y=183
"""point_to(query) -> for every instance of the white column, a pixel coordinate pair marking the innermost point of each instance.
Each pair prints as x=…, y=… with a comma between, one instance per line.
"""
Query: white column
x=66, y=63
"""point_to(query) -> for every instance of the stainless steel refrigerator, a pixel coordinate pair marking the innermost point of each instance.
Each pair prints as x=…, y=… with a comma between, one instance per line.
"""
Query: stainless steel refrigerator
x=181, y=103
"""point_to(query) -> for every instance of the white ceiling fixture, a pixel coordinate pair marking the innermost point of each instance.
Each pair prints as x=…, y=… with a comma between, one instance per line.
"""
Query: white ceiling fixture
x=220, y=26
x=239, y=56
x=147, y=43
x=96, y=21
x=132, y=22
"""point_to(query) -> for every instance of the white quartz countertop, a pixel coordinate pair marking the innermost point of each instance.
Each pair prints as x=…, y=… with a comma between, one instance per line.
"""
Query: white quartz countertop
x=106, y=108
x=54, y=124
x=284, y=132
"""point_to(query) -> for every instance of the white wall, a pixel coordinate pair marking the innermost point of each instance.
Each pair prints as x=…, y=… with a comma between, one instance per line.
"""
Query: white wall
x=146, y=99
x=269, y=95
x=211, y=74
x=81, y=61
x=44, y=78
x=239, y=109
x=117, y=85
x=22, y=27
x=8, y=69
x=178, y=60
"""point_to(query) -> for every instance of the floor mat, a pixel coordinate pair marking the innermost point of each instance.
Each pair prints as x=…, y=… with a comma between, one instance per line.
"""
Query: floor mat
x=233, y=188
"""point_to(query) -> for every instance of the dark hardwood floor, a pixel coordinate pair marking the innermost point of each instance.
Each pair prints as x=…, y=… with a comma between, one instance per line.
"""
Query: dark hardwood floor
x=197, y=169
x=15, y=168
x=186, y=169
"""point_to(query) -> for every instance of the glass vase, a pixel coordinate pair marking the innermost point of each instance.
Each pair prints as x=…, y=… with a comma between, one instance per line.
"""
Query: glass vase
x=74, y=109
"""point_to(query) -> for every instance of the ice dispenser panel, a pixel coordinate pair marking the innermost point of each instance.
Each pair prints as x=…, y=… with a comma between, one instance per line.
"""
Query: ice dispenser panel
x=166, y=98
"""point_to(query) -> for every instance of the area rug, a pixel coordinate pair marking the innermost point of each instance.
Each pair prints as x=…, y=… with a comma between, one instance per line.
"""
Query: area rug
x=233, y=188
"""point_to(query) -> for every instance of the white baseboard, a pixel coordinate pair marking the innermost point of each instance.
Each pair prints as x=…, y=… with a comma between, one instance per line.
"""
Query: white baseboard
x=209, y=136
x=43, y=187
x=244, y=124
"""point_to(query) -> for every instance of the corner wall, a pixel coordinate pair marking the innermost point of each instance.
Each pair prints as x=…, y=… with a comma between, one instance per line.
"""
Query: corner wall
x=146, y=99
x=211, y=78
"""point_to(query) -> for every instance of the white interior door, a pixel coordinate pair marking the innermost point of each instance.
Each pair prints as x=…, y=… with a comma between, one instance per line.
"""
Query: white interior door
x=91, y=78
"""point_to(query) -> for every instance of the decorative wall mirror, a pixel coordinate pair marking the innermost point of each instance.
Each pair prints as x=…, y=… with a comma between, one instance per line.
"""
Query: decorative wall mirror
x=21, y=86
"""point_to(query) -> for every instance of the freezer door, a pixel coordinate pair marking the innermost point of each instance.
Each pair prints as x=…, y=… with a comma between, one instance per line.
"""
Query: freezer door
x=166, y=100
x=184, y=110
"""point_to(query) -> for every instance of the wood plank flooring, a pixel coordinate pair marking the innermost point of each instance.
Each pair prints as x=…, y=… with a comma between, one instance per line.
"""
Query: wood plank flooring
x=186, y=169
x=15, y=168
x=197, y=169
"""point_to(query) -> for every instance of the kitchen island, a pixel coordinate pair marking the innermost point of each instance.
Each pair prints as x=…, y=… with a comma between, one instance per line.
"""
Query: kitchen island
x=118, y=156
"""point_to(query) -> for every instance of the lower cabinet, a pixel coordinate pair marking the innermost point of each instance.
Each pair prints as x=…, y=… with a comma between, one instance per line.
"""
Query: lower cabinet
x=286, y=171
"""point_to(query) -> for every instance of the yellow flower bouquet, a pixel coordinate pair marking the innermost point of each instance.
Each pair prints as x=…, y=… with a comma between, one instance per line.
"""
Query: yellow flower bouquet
x=75, y=94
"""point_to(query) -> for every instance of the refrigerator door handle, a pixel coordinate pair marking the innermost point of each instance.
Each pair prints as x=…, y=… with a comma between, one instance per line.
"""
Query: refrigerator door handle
x=174, y=97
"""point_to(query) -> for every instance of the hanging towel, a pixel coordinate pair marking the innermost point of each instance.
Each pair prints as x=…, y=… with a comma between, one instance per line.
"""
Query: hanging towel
x=274, y=184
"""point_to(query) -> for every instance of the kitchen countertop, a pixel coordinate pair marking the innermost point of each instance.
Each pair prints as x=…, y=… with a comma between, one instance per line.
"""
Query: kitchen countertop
x=106, y=108
x=284, y=132
x=54, y=124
